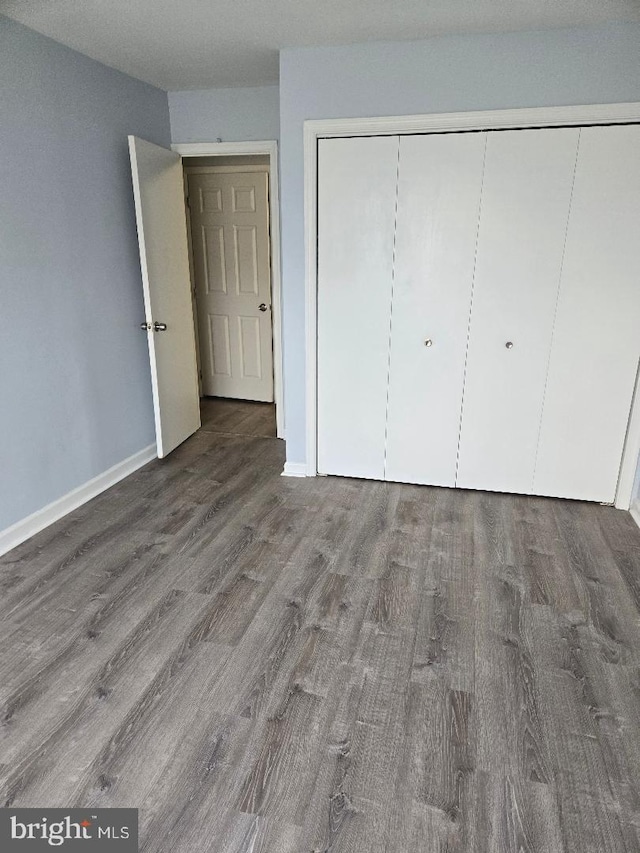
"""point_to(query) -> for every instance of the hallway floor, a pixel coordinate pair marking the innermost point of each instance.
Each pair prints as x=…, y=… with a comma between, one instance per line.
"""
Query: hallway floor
x=238, y=417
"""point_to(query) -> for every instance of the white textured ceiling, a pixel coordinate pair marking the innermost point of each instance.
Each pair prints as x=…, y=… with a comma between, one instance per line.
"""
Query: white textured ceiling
x=197, y=44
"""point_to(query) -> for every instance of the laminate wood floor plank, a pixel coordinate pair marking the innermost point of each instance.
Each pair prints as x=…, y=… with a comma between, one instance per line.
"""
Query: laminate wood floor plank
x=239, y=417
x=628, y=563
x=51, y=735
x=47, y=574
x=512, y=746
x=539, y=550
x=445, y=635
x=273, y=665
x=364, y=548
x=439, y=752
x=610, y=610
x=354, y=798
x=302, y=627
x=171, y=745
x=236, y=833
x=618, y=528
x=84, y=636
x=283, y=757
x=577, y=723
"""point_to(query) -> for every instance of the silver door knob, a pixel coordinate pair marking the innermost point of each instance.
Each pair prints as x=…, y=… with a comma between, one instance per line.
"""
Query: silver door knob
x=145, y=326
x=509, y=344
x=428, y=342
x=159, y=327
x=262, y=307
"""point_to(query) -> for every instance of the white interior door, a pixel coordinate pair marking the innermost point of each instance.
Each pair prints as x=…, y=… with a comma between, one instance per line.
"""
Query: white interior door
x=440, y=177
x=231, y=258
x=596, y=342
x=524, y=211
x=162, y=235
x=356, y=224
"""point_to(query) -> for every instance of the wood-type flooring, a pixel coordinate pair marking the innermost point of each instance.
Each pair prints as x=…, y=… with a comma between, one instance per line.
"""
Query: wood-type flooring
x=238, y=417
x=263, y=664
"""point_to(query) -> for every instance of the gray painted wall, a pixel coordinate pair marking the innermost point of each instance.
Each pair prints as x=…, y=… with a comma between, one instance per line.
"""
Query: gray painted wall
x=75, y=386
x=445, y=74
x=234, y=115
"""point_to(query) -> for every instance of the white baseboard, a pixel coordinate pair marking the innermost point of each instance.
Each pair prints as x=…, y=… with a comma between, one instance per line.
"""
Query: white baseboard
x=294, y=469
x=32, y=524
x=635, y=511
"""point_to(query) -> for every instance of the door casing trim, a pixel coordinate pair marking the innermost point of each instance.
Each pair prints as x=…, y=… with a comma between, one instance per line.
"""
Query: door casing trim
x=270, y=147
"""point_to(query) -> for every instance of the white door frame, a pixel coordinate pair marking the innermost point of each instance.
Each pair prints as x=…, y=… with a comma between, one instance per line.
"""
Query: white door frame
x=315, y=129
x=270, y=147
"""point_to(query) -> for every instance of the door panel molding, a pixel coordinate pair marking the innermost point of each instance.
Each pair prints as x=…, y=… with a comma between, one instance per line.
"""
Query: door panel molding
x=240, y=291
x=315, y=129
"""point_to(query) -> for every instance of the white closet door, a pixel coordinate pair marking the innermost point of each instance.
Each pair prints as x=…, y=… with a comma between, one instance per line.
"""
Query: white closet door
x=596, y=341
x=440, y=178
x=524, y=211
x=356, y=221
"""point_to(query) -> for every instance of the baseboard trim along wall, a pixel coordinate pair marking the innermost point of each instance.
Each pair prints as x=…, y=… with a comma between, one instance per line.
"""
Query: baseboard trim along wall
x=294, y=469
x=22, y=530
x=635, y=511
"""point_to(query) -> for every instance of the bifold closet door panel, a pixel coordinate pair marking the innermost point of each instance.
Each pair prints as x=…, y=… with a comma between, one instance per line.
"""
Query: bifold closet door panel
x=523, y=218
x=356, y=222
x=440, y=178
x=596, y=341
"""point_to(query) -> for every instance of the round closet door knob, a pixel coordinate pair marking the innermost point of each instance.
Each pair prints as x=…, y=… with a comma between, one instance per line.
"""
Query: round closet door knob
x=509, y=344
x=428, y=342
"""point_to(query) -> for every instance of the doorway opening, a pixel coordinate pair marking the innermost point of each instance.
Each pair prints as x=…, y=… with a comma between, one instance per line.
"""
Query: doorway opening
x=233, y=233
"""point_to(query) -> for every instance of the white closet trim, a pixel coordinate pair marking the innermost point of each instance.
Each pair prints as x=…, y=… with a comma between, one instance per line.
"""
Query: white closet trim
x=626, y=480
x=485, y=120
x=437, y=123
